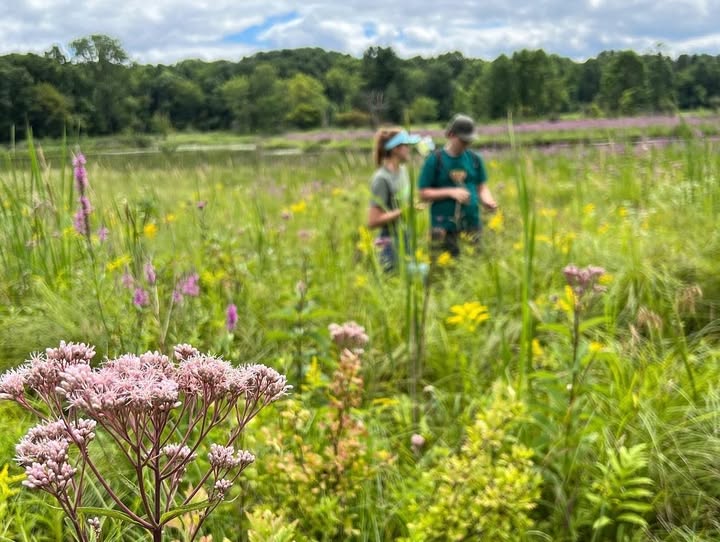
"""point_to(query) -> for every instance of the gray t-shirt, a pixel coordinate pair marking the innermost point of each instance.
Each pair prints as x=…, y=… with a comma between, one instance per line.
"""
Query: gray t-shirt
x=389, y=190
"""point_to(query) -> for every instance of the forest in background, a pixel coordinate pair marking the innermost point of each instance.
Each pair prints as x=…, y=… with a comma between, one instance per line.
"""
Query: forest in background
x=94, y=88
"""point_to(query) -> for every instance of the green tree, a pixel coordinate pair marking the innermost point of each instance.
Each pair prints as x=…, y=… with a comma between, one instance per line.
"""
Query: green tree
x=623, y=85
x=236, y=93
x=306, y=101
x=267, y=95
x=423, y=109
x=103, y=70
x=49, y=112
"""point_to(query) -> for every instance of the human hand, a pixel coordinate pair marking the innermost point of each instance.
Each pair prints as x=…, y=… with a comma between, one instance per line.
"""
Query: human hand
x=461, y=195
x=490, y=205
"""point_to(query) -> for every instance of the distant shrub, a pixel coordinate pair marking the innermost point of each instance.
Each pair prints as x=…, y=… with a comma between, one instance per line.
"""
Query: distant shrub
x=352, y=118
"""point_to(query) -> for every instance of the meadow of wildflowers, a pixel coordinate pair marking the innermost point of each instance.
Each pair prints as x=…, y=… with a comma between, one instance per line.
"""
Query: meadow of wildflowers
x=557, y=382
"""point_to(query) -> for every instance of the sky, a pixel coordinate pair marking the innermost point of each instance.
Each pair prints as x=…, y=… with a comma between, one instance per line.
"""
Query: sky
x=167, y=31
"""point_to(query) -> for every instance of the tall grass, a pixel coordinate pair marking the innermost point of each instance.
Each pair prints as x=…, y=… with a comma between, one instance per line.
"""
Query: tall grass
x=642, y=367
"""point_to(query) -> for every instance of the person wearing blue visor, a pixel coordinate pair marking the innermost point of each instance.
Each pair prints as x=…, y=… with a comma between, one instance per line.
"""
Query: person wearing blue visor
x=390, y=188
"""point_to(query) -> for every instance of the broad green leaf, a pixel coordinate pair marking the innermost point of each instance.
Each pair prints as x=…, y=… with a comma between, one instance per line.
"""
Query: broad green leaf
x=592, y=322
x=180, y=510
x=601, y=522
x=632, y=518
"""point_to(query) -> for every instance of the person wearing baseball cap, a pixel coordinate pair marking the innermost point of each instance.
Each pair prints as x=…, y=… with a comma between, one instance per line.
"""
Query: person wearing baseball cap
x=454, y=180
x=390, y=187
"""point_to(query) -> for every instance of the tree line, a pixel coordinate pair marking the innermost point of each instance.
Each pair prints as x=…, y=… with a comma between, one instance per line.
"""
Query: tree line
x=95, y=88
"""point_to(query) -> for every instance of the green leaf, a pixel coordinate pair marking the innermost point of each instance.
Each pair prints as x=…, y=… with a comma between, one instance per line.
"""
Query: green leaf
x=639, y=481
x=180, y=510
x=560, y=329
x=637, y=493
x=601, y=522
x=592, y=322
x=632, y=518
x=633, y=506
x=106, y=512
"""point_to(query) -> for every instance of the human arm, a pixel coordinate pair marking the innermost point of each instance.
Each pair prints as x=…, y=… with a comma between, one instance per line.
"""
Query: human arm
x=377, y=217
x=486, y=197
x=459, y=194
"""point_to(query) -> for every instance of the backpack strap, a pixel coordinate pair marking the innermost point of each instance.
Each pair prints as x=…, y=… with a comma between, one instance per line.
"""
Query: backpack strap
x=438, y=164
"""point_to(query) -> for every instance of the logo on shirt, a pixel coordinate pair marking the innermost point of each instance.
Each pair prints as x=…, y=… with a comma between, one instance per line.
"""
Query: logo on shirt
x=458, y=176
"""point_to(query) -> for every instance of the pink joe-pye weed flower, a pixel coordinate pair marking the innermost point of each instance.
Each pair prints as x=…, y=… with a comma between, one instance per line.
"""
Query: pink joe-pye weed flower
x=349, y=335
x=159, y=410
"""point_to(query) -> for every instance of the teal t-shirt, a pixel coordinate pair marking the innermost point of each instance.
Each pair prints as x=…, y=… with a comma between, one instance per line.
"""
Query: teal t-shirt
x=466, y=170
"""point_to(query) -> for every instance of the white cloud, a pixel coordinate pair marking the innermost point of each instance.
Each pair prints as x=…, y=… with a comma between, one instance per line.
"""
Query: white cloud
x=170, y=30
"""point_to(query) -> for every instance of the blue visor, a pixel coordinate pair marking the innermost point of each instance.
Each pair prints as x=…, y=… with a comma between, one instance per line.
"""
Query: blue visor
x=401, y=138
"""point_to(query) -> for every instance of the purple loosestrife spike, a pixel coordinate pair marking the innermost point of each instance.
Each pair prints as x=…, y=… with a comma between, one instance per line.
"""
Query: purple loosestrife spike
x=232, y=317
x=150, y=274
x=140, y=298
x=127, y=280
x=80, y=172
x=102, y=234
x=190, y=286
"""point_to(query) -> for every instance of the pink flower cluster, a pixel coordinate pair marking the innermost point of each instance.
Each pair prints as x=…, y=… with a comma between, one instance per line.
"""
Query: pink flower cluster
x=584, y=280
x=43, y=451
x=136, y=399
x=349, y=335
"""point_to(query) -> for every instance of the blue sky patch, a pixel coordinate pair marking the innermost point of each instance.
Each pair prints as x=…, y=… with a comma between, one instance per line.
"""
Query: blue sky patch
x=252, y=34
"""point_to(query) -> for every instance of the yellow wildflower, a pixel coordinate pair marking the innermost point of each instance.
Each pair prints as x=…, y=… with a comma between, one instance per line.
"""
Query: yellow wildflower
x=360, y=281
x=622, y=212
x=548, y=213
x=298, y=207
x=444, y=259
x=603, y=228
x=567, y=304
x=543, y=239
x=122, y=261
x=170, y=218
x=468, y=315
x=589, y=209
x=6, y=483
x=150, y=230
x=421, y=257
x=70, y=232
x=537, y=350
x=365, y=244
x=337, y=192
x=211, y=279
x=595, y=347
x=605, y=279
x=496, y=222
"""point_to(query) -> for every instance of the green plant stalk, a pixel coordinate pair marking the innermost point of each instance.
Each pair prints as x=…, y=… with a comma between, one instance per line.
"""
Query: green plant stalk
x=527, y=215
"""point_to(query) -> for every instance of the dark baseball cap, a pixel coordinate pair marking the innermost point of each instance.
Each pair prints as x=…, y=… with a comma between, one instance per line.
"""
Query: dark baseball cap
x=463, y=127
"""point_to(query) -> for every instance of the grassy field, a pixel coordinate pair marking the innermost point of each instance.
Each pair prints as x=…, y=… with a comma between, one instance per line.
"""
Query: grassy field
x=492, y=401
